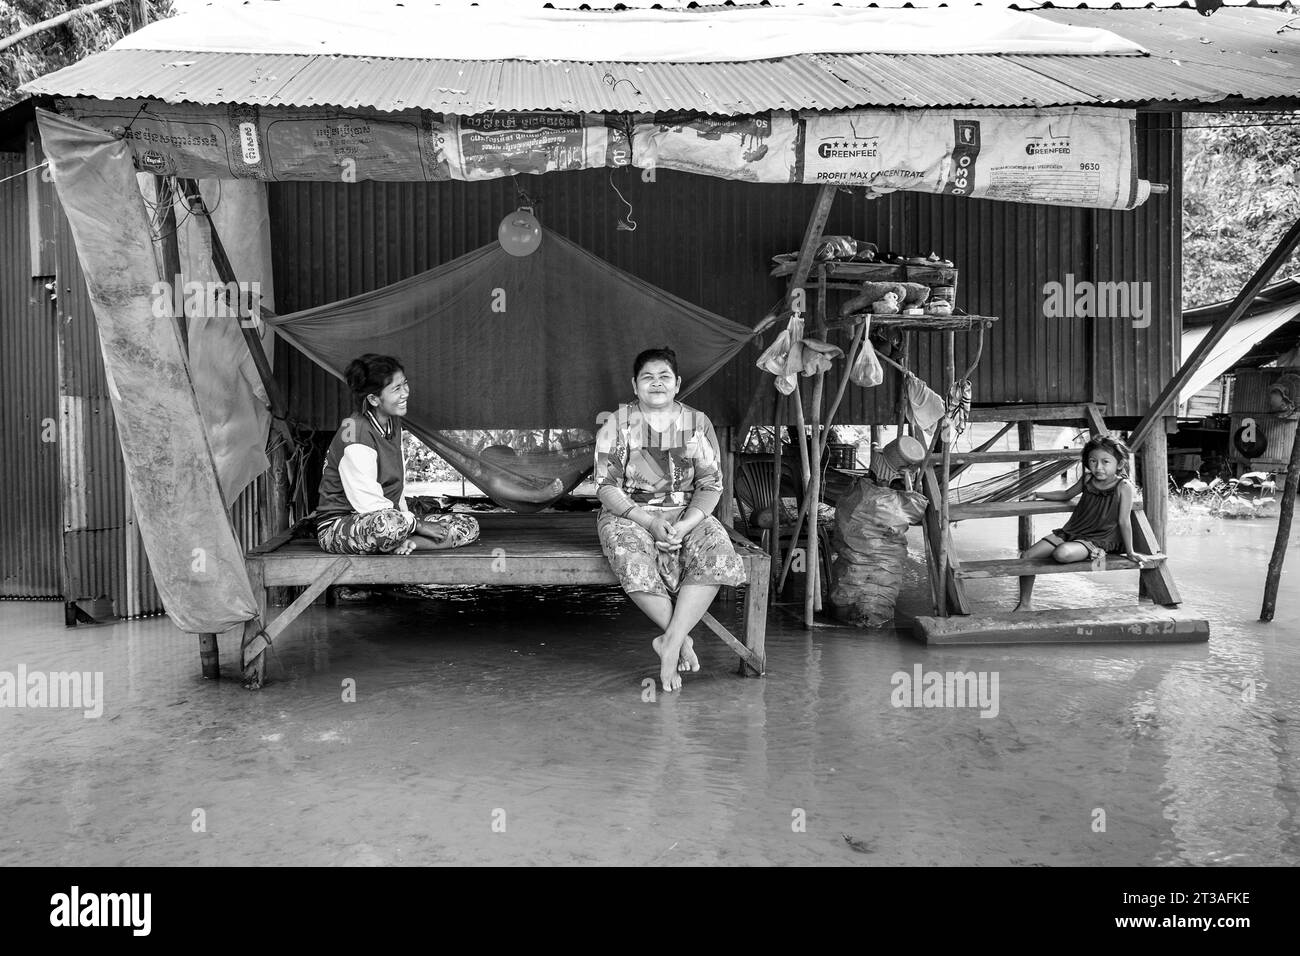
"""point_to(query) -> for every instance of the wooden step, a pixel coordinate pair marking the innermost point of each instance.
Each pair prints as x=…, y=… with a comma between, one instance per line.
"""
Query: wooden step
x=1011, y=509
x=1142, y=623
x=1018, y=567
x=1015, y=454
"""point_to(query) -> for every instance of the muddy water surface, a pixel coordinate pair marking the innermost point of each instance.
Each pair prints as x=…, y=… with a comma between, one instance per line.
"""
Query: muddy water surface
x=525, y=709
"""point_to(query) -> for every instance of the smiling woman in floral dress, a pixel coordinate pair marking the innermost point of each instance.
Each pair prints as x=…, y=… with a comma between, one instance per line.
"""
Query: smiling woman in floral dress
x=658, y=478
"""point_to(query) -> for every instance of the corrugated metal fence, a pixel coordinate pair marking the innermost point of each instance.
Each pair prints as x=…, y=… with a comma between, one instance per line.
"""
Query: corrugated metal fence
x=29, y=406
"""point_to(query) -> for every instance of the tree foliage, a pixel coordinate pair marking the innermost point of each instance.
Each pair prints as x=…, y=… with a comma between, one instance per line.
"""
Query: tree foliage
x=63, y=45
x=1241, y=192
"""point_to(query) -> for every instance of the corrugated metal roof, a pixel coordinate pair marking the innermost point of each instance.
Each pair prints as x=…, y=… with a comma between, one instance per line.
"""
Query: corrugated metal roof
x=1239, y=53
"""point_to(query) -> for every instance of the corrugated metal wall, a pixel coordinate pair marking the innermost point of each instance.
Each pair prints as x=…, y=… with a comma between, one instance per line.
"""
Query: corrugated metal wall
x=103, y=551
x=1132, y=364
x=710, y=241
x=30, y=563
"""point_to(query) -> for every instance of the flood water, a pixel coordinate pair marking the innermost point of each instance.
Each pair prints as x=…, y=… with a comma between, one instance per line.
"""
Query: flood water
x=509, y=727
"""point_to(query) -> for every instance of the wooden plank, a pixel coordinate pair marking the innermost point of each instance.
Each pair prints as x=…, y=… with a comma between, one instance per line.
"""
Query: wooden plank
x=1020, y=455
x=916, y=323
x=1013, y=509
x=758, y=571
x=1137, y=624
x=1155, y=484
x=329, y=576
x=1047, y=412
x=957, y=600
x=1018, y=567
x=1096, y=423
x=1157, y=582
x=746, y=655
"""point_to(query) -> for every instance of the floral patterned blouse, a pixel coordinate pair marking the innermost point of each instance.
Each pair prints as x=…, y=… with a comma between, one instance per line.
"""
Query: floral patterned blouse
x=637, y=464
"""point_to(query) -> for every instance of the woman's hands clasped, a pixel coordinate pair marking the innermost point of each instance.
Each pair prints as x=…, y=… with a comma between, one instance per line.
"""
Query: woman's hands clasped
x=668, y=537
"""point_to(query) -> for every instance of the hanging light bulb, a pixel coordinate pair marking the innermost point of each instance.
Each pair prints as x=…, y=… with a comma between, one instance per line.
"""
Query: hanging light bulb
x=520, y=233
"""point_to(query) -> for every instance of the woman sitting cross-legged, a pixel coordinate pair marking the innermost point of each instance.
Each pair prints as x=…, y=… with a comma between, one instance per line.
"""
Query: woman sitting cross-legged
x=658, y=479
x=362, y=509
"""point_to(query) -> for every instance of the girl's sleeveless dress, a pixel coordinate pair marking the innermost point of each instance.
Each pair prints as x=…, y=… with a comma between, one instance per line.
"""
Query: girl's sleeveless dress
x=1095, y=522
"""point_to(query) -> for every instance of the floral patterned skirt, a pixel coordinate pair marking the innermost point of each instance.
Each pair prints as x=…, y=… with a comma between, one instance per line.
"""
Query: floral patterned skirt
x=380, y=532
x=705, y=557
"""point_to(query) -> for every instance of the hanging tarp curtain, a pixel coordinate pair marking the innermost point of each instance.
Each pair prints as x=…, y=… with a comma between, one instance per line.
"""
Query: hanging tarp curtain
x=493, y=341
x=197, y=564
x=1070, y=155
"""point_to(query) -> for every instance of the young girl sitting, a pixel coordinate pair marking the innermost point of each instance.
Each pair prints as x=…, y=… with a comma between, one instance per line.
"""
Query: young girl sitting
x=1100, y=522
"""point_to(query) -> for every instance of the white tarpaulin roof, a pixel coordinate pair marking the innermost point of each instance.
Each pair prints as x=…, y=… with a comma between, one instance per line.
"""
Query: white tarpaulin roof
x=1236, y=343
x=513, y=31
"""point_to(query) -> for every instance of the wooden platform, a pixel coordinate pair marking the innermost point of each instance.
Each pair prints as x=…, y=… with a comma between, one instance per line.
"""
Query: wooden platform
x=1019, y=567
x=513, y=550
x=1142, y=623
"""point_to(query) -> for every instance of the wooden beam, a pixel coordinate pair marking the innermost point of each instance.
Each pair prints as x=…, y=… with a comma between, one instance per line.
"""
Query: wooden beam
x=1155, y=483
x=1096, y=423
x=811, y=237
x=1281, y=252
x=263, y=639
x=746, y=655
x=1025, y=523
x=1141, y=624
x=171, y=256
x=1042, y=412
x=1157, y=582
x=1285, y=516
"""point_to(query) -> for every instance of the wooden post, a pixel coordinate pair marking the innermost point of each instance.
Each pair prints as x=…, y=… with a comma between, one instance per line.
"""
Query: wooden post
x=208, y=657
x=901, y=415
x=1155, y=482
x=1025, y=529
x=812, y=601
x=171, y=255
x=727, y=464
x=778, y=445
x=1285, y=515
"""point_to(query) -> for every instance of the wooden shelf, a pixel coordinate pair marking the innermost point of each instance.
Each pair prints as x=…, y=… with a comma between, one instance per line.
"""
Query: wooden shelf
x=917, y=323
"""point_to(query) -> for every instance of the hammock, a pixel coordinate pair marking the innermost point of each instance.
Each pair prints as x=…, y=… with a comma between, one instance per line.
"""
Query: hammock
x=1008, y=486
x=493, y=343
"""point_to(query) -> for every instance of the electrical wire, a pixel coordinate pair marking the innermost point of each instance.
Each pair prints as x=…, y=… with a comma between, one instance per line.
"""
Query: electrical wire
x=627, y=224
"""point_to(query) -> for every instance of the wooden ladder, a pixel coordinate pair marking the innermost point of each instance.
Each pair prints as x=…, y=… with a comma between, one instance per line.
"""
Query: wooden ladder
x=1156, y=581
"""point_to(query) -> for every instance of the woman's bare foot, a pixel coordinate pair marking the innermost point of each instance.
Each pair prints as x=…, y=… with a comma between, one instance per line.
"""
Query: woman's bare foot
x=689, y=662
x=1023, y=606
x=406, y=547
x=669, y=651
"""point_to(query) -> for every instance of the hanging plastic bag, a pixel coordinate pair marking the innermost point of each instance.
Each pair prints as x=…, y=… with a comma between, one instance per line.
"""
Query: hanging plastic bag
x=818, y=356
x=784, y=357
x=866, y=370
